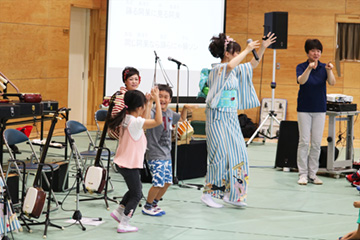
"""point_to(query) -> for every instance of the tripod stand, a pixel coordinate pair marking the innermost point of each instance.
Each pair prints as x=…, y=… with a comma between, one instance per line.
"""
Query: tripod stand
x=12, y=221
x=77, y=214
x=271, y=115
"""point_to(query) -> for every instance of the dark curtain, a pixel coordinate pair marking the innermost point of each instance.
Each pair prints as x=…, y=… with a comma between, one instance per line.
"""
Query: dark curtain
x=348, y=43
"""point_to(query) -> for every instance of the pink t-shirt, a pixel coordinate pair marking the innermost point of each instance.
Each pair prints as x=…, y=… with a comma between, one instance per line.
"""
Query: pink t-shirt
x=132, y=143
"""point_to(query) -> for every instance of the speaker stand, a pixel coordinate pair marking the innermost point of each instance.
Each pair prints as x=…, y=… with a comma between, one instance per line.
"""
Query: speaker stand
x=271, y=115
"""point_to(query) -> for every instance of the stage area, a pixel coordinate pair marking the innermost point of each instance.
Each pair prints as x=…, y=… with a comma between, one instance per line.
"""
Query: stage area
x=278, y=208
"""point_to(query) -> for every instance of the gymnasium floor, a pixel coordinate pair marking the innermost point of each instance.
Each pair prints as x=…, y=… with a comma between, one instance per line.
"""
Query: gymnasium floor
x=278, y=208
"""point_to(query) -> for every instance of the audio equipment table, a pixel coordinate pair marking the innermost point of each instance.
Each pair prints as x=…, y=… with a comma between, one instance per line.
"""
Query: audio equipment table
x=340, y=166
x=16, y=112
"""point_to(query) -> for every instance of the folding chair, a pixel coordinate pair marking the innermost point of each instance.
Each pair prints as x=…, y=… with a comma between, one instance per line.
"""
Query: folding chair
x=76, y=127
x=12, y=137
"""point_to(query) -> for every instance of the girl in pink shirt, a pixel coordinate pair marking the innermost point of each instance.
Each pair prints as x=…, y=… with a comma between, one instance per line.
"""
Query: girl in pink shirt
x=129, y=155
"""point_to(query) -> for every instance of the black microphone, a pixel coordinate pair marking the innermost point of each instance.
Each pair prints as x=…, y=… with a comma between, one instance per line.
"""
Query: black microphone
x=176, y=61
x=253, y=51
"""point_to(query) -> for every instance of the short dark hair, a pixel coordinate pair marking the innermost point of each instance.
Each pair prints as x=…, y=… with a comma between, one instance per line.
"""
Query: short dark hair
x=128, y=72
x=217, y=46
x=313, y=44
x=165, y=87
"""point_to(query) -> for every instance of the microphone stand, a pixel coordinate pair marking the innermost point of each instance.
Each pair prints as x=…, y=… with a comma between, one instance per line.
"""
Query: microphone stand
x=176, y=180
x=156, y=61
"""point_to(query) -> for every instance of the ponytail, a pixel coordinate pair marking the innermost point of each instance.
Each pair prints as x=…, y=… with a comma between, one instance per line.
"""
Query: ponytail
x=117, y=120
x=133, y=99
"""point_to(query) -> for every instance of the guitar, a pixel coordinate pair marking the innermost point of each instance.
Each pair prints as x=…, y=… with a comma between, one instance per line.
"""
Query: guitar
x=95, y=176
x=35, y=196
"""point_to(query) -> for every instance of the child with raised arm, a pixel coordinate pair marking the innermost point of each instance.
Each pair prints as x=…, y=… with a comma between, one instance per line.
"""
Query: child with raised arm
x=129, y=155
x=158, y=154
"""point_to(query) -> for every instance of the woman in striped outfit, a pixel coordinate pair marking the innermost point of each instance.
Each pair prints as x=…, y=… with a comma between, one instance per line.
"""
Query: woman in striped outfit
x=230, y=89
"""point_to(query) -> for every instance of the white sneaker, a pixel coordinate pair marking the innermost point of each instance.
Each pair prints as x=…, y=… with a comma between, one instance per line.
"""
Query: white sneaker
x=302, y=180
x=238, y=204
x=117, y=213
x=152, y=212
x=124, y=226
x=316, y=180
x=207, y=199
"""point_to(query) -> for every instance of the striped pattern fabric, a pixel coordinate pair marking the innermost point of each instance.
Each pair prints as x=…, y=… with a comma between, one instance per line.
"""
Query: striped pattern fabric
x=227, y=155
x=240, y=79
x=12, y=222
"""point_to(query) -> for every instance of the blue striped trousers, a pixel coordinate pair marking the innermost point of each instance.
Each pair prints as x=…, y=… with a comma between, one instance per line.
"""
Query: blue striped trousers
x=226, y=149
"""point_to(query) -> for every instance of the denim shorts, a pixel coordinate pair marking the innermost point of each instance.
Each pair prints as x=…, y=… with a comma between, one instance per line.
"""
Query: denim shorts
x=161, y=171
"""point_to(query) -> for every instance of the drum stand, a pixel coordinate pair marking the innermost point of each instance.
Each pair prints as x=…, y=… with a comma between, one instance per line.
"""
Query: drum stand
x=271, y=115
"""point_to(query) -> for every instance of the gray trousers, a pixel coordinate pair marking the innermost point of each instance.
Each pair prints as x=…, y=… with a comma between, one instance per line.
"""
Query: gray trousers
x=311, y=128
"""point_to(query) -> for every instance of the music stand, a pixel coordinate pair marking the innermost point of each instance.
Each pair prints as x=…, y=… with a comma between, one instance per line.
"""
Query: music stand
x=271, y=114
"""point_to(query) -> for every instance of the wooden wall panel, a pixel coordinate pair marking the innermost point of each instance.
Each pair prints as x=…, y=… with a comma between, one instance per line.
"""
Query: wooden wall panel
x=30, y=12
x=57, y=55
x=237, y=16
x=25, y=48
x=352, y=6
x=59, y=13
x=34, y=38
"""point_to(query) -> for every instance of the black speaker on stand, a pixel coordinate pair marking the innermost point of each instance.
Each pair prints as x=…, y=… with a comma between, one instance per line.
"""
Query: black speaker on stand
x=277, y=22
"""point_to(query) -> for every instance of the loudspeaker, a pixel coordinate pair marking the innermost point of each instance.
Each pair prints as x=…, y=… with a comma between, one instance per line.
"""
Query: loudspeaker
x=191, y=161
x=286, y=151
x=145, y=173
x=13, y=185
x=60, y=175
x=277, y=22
x=323, y=156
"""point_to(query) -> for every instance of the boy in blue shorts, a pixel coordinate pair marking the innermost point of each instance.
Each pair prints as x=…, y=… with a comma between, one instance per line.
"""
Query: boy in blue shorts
x=158, y=154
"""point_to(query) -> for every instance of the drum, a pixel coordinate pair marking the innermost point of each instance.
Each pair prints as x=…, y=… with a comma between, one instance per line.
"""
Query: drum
x=185, y=130
x=32, y=97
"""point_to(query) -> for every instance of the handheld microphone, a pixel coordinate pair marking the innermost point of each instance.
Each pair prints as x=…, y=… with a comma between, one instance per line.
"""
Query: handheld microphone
x=253, y=51
x=176, y=61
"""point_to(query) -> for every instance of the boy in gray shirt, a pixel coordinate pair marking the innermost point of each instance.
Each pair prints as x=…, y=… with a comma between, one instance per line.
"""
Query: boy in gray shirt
x=158, y=154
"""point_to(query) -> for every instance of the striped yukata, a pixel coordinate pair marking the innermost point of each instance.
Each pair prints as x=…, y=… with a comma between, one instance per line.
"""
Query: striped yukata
x=227, y=156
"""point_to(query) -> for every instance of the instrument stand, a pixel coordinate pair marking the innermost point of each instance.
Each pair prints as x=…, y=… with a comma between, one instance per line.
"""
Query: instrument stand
x=77, y=214
x=271, y=115
x=47, y=221
x=175, y=179
x=6, y=198
x=104, y=197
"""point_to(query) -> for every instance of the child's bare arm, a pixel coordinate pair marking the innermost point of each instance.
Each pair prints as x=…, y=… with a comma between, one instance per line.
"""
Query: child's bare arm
x=151, y=123
x=187, y=108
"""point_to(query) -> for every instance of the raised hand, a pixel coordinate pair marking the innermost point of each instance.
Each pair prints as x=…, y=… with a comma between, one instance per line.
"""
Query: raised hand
x=269, y=39
x=329, y=66
x=252, y=45
x=155, y=93
x=313, y=65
